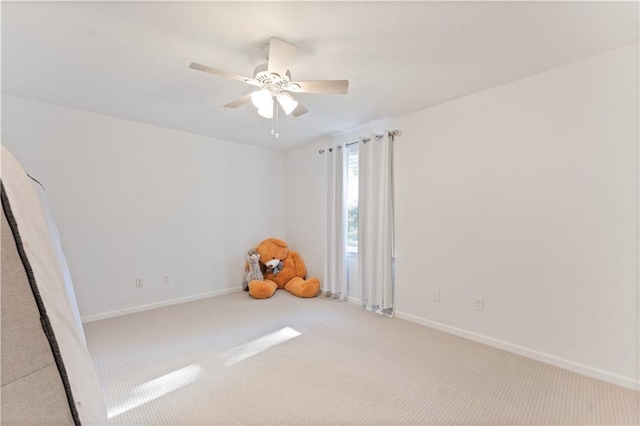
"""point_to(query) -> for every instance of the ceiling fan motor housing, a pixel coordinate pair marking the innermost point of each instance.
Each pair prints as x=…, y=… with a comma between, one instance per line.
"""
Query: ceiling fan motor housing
x=264, y=77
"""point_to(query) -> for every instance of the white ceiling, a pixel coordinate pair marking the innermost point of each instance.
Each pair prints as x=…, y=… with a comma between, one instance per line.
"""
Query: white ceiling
x=130, y=59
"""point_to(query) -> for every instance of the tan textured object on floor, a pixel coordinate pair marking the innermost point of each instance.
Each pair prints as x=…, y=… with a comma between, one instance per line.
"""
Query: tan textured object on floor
x=285, y=360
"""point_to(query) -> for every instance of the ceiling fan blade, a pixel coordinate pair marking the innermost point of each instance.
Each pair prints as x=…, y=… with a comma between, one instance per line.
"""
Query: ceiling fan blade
x=322, y=86
x=300, y=109
x=243, y=100
x=221, y=73
x=280, y=56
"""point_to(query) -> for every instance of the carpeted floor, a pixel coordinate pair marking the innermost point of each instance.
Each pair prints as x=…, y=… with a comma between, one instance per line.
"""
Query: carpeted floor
x=234, y=360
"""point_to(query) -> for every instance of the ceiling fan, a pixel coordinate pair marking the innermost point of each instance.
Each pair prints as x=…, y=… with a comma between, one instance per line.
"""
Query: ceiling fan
x=274, y=84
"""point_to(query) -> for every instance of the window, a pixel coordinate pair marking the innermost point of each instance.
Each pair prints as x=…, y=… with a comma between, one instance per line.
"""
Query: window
x=352, y=198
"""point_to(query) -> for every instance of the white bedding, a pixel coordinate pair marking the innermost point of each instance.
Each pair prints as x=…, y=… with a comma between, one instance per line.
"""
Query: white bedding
x=62, y=261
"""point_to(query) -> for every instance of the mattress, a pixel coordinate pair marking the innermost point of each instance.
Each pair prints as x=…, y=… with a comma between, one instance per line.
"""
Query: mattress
x=47, y=376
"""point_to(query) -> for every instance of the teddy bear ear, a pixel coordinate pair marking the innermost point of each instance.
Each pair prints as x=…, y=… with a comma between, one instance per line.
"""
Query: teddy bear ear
x=279, y=242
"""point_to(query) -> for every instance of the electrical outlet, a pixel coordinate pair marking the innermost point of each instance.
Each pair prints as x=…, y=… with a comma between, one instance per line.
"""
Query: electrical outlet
x=166, y=279
x=435, y=296
x=138, y=282
x=478, y=304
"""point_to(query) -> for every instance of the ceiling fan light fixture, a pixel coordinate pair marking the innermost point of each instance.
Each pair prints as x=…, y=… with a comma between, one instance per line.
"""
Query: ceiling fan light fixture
x=266, y=112
x=287, y=102
x=262, y=99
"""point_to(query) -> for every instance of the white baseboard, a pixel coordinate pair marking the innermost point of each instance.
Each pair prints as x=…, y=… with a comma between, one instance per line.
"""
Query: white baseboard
x=140, y=308
x=576, y=367
x=354, y=300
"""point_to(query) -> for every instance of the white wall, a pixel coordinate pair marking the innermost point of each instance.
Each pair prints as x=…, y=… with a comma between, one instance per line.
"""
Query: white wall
x=526, y=195
x=133, y=200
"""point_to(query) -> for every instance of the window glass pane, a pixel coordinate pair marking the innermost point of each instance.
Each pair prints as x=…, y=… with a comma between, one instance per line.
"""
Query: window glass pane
x=352, y=198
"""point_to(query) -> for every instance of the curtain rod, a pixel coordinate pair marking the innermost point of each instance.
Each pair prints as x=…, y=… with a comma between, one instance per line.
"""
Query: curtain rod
x=391, y=133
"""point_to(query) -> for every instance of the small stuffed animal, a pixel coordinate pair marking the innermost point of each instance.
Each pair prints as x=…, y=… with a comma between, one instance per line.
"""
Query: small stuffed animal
x=254, y=272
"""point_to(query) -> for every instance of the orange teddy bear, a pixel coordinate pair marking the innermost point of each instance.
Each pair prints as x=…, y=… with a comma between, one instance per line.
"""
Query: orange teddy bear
x=282, y=268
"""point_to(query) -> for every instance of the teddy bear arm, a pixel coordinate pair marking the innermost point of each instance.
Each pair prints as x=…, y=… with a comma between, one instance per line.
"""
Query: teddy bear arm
x=301, y=270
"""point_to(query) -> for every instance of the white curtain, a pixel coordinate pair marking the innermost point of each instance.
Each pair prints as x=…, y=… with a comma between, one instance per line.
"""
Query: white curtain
x=375, y=223
x=335, y=270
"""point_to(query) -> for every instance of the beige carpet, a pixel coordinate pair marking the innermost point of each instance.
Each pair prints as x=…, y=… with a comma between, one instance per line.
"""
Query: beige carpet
x=234, y=360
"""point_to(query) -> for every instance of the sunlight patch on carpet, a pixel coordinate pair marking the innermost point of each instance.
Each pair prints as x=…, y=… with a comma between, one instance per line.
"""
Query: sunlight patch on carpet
x=158, y=387
x=261, y=344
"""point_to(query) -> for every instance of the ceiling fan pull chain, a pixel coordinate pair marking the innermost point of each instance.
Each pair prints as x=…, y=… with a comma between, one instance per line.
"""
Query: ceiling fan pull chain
x=277, y=114
x=273, y=123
